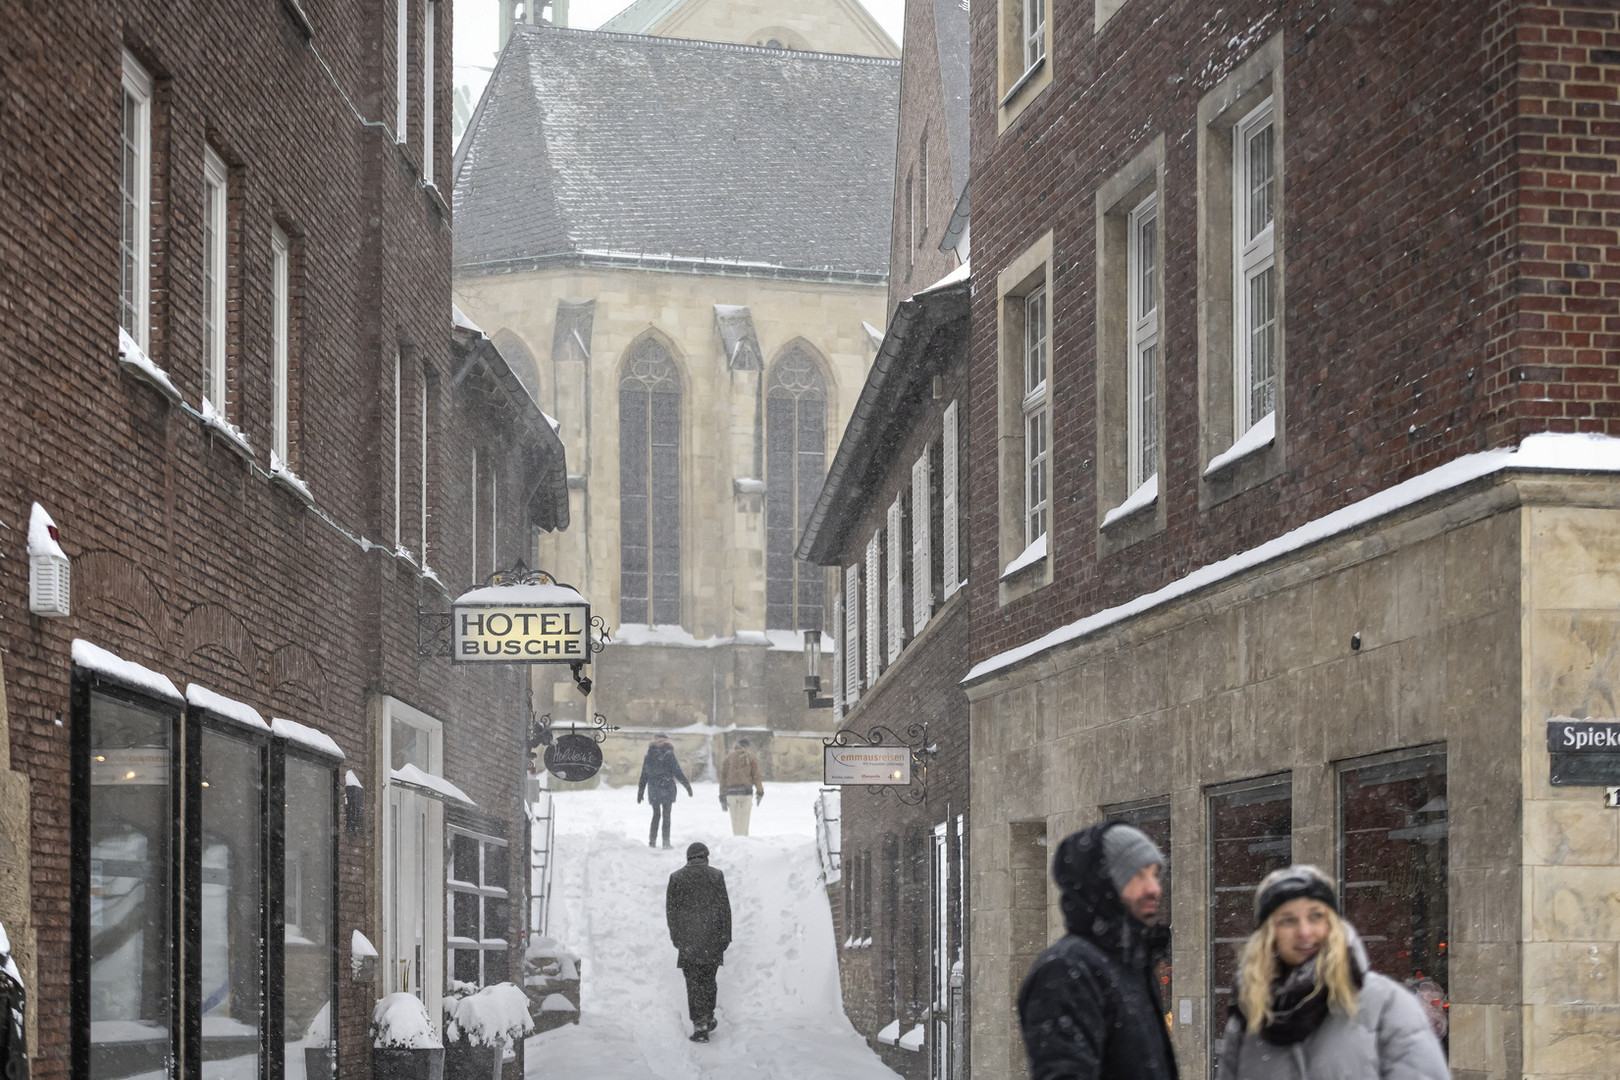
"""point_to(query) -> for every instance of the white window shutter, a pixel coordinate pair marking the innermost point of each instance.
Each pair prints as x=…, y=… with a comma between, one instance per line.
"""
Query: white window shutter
x=922, y=582
x=950, y=526
x=895, y=614
x=874, y=607
x=852, y=634
x=840, y=650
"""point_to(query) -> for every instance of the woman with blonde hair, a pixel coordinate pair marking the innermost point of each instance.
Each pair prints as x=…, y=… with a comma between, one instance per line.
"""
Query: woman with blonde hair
x=1306, y=1005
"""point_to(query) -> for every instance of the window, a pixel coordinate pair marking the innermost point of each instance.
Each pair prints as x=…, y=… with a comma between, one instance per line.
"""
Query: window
x=402, y=69
x=430, y=17
x=911, y=217
x=1250, y=835
x=413, y=858
x=215, y=204
x=1022, y=67
x=1024, y=421
x=309, y=914
x=280, y=371
x=1393, y=861
x=422, y=473
x=232, y=900
x=649, y=487
x=135, y=198
x=795, y=466
x=1034, y=32
x=1254, y=253
x=1037, y=417
x=480, y=911
x=1143, y=436
x=922, y=191
x=399, y=451
x=922, y=566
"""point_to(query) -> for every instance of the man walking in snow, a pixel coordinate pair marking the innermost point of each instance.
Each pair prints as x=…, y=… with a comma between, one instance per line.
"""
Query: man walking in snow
x=1089, y=1007
x=659, y=772
x=739, y=778
x=699, y=914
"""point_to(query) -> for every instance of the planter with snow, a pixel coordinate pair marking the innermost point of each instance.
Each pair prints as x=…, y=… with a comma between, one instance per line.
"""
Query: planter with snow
x=404, y=1044
x=478, y=1026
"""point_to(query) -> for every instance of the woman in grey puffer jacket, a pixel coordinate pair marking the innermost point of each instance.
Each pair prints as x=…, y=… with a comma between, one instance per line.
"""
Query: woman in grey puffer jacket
x=1306, y=1006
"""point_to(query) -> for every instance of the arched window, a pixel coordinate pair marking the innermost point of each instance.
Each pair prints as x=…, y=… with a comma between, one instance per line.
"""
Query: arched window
x=795, y=466
x=649, y=487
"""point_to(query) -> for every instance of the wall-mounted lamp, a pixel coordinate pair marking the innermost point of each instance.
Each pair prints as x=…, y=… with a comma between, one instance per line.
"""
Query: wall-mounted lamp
x=812, y=671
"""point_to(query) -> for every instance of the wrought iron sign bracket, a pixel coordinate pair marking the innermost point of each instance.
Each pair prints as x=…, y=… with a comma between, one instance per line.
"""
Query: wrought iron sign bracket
x=915, y=740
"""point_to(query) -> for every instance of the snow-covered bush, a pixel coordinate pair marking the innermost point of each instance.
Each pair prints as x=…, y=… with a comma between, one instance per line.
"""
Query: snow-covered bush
x=494, y=1016
x=401, y=1022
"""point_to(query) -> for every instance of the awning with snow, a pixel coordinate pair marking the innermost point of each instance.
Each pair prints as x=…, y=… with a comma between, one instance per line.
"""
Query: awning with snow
x=434, y=787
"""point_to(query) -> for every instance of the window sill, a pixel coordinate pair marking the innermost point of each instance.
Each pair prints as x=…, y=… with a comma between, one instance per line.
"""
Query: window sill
x=285, y=478
x=134, y=361
x=1262, y=435
x=1023, y=80
x=1141, y=499
x=226, y=432
x=1033, y=555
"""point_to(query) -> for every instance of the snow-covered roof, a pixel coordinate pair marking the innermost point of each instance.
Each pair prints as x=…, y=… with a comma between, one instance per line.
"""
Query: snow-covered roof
x=230, y=709
x=1545, y=452
x=538, y=594
x=95, y=658
x=435, y=786
x=307, y=737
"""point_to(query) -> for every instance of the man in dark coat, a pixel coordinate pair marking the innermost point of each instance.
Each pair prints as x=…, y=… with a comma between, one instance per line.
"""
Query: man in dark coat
x=659, y=772
x=1090, y=1007
x=699, y=915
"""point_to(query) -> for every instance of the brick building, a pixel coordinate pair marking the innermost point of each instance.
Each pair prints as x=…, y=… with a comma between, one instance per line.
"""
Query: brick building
x=238, y=411
x=890, y=524
x=1288, y=318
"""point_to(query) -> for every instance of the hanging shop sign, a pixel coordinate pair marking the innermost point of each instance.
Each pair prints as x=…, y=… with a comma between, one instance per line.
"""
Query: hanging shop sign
x=877, y=765
x=1584, y=752
x=573, y=757
x=535, y=623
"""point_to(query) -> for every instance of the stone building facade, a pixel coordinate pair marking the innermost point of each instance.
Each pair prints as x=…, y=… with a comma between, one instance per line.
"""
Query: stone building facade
x=831, y=26
x=702, y=327
x=1293, y=492
x=239, y=415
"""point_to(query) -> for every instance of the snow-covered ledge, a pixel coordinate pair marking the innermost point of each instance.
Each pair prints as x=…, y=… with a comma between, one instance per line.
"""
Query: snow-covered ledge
x=1029, y=557
x=1257, y=438
x=914, y=1039
x=133, y=359
x=234, y=437
x=1142, y=498
x=890, y=1035
x=280, y=474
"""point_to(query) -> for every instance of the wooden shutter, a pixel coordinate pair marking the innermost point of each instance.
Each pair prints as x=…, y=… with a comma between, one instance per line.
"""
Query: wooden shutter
x=852, y=634
x=895, y=613
x=922, y=582
x=950, y=526
x=874, y=607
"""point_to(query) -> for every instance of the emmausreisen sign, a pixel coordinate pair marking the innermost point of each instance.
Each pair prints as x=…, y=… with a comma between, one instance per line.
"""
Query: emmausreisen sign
x=523, y=623
x=1584, y=752
x=867, y=765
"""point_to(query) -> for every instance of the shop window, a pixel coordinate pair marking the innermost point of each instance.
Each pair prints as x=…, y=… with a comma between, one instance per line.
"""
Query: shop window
x=1250, y=835
x=480, y=911
x=309, y=916
x=231, y=899
x=1393, y=831
x=1154, y=820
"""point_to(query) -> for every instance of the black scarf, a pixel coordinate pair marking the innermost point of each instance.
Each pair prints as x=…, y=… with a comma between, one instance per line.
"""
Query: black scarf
x=1299, y=1004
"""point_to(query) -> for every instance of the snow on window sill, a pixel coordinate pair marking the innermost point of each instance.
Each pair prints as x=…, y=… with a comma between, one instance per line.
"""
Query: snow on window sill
x=1142, y=498
x=1030, y=556
x=133, y=359
x=280, y=474
x=747, y=485
x=1023, y=81
x=890, y=1035
x=1256, y=439
x=914, y=1039
x=233, y=436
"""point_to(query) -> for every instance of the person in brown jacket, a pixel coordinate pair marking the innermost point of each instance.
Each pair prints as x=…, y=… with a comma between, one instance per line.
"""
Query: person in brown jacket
x=739, y=778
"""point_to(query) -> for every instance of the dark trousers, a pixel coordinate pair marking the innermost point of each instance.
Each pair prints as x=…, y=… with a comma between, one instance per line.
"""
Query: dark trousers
x=700, y=992
x=660, y=810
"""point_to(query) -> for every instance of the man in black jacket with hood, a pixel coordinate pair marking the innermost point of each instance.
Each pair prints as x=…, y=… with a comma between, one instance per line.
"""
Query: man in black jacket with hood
x=698, y=910
x=1090, y=1008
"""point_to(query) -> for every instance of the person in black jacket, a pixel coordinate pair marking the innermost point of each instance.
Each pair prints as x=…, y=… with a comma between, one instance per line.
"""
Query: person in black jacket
x=1090, y=1008
x=659, y=772
x=699, y=914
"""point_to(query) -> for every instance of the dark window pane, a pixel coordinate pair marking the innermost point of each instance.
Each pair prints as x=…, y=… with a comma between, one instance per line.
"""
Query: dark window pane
x=464, y=915
x=496, y=917
x=497, y=968
x=496, y=873
x=231, y=953
x=464, y=965
x=1250, y=835
x=464, y=858
x=310, y=938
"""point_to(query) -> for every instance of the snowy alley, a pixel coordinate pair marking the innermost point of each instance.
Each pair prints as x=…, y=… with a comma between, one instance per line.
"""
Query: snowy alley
x=779, y=1010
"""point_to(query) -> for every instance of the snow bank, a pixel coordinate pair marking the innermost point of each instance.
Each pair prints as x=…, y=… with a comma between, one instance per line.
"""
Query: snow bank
x=400, y=1022
x=494, y=1016
x=95, y=658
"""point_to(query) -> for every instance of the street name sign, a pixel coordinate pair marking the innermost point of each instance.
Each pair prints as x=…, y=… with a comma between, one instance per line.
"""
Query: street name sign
x=1584, y=752
x=877, y=765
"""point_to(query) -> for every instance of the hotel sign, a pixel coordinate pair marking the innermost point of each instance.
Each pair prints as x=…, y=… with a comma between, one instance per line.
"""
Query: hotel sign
x=877, y=765
x=521, y=624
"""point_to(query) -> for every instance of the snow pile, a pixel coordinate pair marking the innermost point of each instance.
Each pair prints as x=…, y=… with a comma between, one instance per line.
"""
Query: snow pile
x=305, y=736
x=400, y=1022
x=42, y=535
x=780, y=1013
x=493, y=1016
x=201, y=697
x=95, y=658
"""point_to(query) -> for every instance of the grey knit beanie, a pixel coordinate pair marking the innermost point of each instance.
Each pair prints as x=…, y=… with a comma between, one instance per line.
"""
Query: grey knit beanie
x=1126, y=849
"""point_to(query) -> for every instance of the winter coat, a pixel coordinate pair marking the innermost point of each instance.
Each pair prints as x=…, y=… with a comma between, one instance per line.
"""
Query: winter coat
x=739, y=773
x=1090, y=1007
x=660, y=772
x=1389, y=1038
x=699, y=913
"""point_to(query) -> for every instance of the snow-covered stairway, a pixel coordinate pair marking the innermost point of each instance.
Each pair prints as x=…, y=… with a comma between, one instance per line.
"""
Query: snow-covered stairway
x=779, y=1010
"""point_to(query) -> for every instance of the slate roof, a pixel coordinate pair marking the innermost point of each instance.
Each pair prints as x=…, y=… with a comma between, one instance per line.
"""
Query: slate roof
x=596, y=146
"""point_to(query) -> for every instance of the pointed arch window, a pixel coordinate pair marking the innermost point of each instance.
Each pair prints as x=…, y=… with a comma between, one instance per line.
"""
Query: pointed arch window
x=649, y=487
x=795, y=466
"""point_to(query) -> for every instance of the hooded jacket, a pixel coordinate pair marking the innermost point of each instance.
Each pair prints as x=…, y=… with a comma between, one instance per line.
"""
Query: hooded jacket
x=1389, y=1038
x=1090, y=1008
x=659, y=773
x=698, y=910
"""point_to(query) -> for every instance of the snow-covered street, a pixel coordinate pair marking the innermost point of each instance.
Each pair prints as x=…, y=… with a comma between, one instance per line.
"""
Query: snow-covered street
x=779, y=1010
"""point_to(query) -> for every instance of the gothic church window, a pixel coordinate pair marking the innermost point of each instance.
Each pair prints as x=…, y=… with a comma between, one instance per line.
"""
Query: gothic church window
x=795, y=466
x=649, y=487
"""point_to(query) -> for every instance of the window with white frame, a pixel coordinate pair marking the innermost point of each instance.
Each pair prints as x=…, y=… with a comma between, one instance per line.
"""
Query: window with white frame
x=1034, y=32
x=479, y=920
x=430, y=17
x=399, y=449
x=1254, y=187
x=1143, y=372
x=402, y=69
x=413, y=856
x=1037, y=416
x=135, y=197
x=216, y=192
x=422, y=475
x=280, y=271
